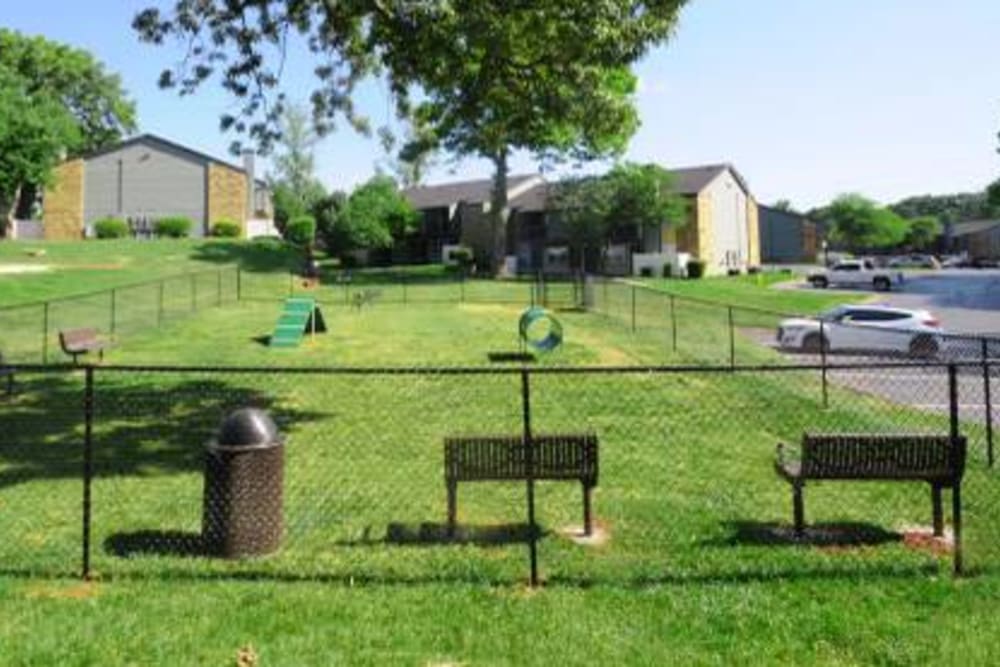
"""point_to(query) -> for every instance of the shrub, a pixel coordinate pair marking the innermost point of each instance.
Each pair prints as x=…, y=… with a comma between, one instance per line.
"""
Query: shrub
x=111, y=228
x=301, y=230
x=733, y=272
x=226, y=229
x=668, y=270
x=753, y=270
x=646, y=272
x=174, y=227
x=695, y=268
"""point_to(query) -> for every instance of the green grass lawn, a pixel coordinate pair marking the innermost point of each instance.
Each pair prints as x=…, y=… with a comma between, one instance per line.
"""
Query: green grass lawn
x=752, y=291
x=695, y=565
x=75, y=267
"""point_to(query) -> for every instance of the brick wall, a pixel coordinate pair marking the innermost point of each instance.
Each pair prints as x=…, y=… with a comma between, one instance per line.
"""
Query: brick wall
x=62, y=210
x=227, y=196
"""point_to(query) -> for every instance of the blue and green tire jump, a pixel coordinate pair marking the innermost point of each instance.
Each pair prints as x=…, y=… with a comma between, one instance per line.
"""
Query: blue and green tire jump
x=552, y=336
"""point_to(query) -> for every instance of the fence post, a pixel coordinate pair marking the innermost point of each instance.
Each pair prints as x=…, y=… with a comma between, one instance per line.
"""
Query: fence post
x=732, y=339
x=673, y=323
x=956, y=489
x=988, y=402
x=114, y=307
x=822, y=362
x=159, y=306
x=88, y=459
x=633, y=308
x=529, y=453
x=45, y=333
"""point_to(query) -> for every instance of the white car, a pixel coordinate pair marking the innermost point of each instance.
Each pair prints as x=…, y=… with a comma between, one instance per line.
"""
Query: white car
x=856, y=273
x=865, y=329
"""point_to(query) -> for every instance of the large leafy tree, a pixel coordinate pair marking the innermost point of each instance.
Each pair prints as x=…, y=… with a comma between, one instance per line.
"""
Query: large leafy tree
x=861, y=224
x=294, y=186
x=74, y=78
x=547, y=76
x=374, y=216
x=630, y=195
x=923, y=232
x=34, y=129
x=55, y=75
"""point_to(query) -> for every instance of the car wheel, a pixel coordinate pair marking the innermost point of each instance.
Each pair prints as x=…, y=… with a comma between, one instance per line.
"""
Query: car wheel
x=924, y=347
x=814, y=343
x=820, y=283
x=882, y=284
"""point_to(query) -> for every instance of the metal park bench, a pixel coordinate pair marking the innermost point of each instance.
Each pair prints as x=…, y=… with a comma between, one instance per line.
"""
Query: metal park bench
x=935, y=459
x=567, y=457
x=75, y=342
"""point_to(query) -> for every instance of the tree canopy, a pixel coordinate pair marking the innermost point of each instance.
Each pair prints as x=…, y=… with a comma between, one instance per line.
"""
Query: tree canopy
x=861, y=224
x=74, y=79
x=592, y=208
x=34, y=130
x=549, y=76
x=923, y=232
x=374, y=216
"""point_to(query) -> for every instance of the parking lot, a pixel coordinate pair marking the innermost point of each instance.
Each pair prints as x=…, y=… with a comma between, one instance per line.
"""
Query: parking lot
x=965, y=300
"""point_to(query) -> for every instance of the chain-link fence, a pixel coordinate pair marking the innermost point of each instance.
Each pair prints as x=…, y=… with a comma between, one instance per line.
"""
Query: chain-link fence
x=123, y=467
x=29, y=333
x=702, y=331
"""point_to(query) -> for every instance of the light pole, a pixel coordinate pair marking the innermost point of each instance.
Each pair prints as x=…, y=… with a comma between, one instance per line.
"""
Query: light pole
x=826, y=252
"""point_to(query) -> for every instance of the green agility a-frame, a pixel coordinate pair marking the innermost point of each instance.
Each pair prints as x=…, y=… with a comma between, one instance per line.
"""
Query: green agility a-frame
x=300, y=316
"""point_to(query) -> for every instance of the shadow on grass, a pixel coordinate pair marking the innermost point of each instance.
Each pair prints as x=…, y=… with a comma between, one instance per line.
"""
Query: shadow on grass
x=846, y=534
x=264, y=340
x=263, y=255
x=434, y=534
x=510, y=357
x=157, y=543
x=144, y=423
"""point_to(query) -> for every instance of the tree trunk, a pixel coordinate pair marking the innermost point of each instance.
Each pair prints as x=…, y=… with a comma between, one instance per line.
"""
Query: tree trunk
x=8, y=222
x=498, y=211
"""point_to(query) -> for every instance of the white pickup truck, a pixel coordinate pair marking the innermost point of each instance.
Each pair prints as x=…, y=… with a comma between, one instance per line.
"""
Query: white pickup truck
x=856, y=273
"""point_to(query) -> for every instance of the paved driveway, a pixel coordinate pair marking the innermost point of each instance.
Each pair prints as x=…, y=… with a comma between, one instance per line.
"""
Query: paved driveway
x=966, y=300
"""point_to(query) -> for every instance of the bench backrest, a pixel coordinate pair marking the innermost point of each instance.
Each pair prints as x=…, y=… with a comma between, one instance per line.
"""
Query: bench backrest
x=70, y=338
x=565, y=456
x=890, y=456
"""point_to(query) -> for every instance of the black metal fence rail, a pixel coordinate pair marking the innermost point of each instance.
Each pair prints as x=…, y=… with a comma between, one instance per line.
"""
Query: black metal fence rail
x=29, y=331
x=106, y=466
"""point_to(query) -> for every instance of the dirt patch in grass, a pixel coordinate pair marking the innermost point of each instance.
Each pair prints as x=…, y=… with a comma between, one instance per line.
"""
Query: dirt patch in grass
x=83, y=590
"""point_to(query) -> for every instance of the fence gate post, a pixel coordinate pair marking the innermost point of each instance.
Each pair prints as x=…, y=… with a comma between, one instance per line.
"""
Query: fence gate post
x=956, y=489
x=88, y=459
x=988, y=402
x=159, y=307
x=45, y=333
x=633, y=308
x=732, y=339
x=114, y=306
x=529, y=448
x=822, y=363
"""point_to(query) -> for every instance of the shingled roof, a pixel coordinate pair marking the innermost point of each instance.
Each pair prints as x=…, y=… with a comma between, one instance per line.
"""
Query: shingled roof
x=466, y=192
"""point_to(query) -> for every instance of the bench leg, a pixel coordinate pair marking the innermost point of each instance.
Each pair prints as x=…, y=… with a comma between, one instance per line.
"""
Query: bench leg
x=938, y=512
x=798, y=509
x=588, y=527
x=452, y=507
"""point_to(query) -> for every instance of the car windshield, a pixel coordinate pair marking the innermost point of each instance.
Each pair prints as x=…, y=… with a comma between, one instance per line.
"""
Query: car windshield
x=832, y=315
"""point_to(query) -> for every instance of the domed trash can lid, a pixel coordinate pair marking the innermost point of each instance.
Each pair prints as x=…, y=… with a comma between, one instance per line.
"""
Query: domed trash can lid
x=247, y=428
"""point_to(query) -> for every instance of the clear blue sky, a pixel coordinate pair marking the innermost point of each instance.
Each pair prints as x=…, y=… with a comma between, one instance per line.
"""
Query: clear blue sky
x=808, y=99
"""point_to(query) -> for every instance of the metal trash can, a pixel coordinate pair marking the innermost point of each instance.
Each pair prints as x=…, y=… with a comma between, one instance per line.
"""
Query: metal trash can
x=244, y=477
